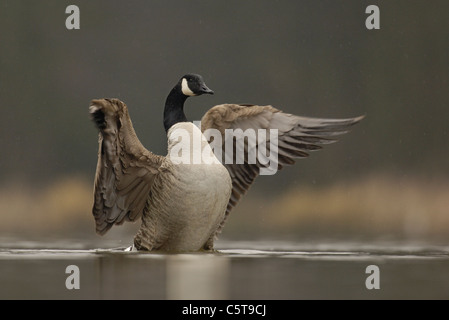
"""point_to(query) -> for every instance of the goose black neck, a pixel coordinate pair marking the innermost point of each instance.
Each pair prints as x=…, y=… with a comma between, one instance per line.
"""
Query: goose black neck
x=174, y=108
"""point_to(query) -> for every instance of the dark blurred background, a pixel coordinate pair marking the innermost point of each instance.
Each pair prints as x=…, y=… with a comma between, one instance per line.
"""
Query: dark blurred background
x=387, y=178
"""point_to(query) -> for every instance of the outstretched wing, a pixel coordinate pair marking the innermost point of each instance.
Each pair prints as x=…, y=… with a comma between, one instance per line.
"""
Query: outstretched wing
x=297, y=137
x=125, y=169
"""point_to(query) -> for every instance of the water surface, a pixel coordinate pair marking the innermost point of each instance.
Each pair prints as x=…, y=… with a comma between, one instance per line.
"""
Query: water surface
x=239, y=270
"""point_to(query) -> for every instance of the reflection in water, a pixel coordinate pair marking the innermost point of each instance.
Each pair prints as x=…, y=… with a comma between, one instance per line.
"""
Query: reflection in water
x=265, y=271
x=197, y=276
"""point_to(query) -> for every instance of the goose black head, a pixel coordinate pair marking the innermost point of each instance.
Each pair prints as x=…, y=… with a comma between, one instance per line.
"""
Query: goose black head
x=193, y=85
x=189, y=85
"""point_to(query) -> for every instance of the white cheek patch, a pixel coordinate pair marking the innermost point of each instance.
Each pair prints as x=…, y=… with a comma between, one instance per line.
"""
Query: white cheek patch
x=185, y=88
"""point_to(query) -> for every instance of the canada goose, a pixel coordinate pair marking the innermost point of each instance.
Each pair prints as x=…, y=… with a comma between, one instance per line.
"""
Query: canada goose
x=184, y=206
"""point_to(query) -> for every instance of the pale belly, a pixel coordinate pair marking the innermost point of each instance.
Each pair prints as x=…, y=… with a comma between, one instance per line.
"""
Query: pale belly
x=188, y=207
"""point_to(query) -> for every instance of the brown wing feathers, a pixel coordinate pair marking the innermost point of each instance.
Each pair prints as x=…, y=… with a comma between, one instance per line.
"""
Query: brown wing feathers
x=297, y=137
x=125, y=169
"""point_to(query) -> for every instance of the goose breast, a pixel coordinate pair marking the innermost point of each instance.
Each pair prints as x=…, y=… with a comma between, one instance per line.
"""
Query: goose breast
x=188, y=200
